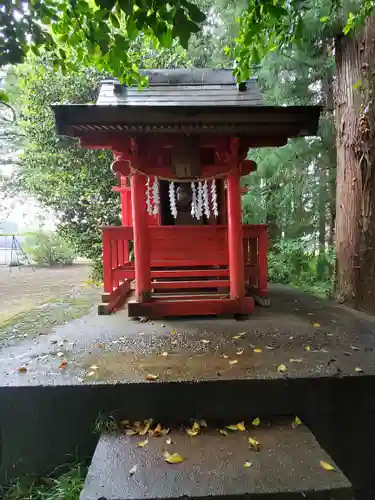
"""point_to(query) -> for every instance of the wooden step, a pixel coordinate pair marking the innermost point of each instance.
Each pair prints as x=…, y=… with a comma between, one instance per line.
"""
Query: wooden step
x=168, y=285
x=288, y=465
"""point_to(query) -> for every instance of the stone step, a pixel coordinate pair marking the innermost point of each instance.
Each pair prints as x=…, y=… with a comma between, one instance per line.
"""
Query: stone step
x=287, y=466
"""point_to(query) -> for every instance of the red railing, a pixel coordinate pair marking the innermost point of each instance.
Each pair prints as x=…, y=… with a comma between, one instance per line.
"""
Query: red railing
x=191, y=248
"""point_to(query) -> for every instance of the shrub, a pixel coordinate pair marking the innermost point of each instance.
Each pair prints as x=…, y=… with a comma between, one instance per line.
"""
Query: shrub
x=48, y=248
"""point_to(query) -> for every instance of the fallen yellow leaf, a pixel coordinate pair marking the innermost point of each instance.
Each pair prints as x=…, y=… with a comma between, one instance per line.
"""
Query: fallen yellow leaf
x=295, y=360
x=296, y=422
x=236, y=337
x=142, y=444
x=173, y=332
x=165, y=354
x=63, y=365
x=144, y=430
x=307, y=348
x=194, y=431
x=233, y=362
x=316, y=325
x=358, y=369
x=241, y=426
x=150, y=376
x=256, y=421
x=247, y=464
x=254, y=444
x=326, y=465
x=232, y=427
x=223, y=432
x=22, y=369
x=173, y=458
x=281, y=368
x=239, y=352
x=258, y=349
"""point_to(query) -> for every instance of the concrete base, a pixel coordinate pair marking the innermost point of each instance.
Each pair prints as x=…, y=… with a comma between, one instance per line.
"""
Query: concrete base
x=287, y=466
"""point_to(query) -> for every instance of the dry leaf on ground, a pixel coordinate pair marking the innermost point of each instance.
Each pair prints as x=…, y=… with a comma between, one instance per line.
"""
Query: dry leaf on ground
x=90, y=374
x=256, y=422
x=316, y=325
x=258, y=349
x=232, y=427
x=204, y=341
x=164, y=354
x=236, y=337
x=225, y=356
x=99, y=346
x=247, y=464
x=233, y=362
x=223, y=432
x=354, y=348
x=358, y=369
x=296, y=422
x=63, y=365
x=133, y=470
x=157, y=431
x=241, y=426
x=142, y=444
x=307, y=348
x=254, y=444
x=239, y=352
x=173, y=458
x=94, y=367
x=281, y=368
x=168, y=441
x=295, y=360
x=22, y=369
x=270, y=347
x=151, y=376
x=60, y=354
x=326, y=465
x=194, y=431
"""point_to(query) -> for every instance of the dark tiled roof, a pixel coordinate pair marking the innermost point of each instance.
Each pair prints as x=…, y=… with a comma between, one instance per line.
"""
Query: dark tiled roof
x=190, y=87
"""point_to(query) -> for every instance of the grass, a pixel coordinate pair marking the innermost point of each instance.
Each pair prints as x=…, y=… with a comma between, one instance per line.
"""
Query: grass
x=43, y=318
x=63, y=486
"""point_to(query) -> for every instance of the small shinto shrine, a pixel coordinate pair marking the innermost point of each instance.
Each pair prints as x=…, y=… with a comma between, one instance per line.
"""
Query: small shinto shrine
x=180, y=149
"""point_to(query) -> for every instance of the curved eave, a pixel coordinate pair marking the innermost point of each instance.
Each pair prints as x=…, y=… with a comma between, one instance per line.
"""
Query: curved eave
x=265, y=121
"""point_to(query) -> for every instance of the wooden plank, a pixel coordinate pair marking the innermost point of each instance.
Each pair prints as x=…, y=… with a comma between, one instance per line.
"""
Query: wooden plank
x=166, y=285
x=194, y=307
x=189, y=273
x=113, y=301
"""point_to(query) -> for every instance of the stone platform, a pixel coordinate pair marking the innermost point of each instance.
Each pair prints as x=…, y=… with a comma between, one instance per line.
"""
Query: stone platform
x=47, y=412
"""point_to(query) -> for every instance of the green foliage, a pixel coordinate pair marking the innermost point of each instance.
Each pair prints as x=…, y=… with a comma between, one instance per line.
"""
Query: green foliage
x=74, y=182
x=65, y=486
x=293, y=262
x=48, y=248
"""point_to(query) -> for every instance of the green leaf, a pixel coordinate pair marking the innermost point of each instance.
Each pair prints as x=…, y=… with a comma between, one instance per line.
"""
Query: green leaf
x=195, y=13
x=324, y=19
x=114, y=20
x=105, y=4
x=357, y=84
x=3, y=96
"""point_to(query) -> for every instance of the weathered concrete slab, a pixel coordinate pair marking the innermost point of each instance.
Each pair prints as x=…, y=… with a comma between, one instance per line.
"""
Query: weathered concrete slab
x=288, y=463
x=311, y=337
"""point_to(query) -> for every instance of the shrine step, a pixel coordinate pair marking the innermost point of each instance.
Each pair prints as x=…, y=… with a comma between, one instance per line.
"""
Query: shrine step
x=184, y=284
x=184, y=306
x=288, y=465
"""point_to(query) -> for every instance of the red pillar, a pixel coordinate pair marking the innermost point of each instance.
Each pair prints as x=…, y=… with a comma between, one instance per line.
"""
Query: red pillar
x=141, y=238
x=262, y=262
x=235, y=237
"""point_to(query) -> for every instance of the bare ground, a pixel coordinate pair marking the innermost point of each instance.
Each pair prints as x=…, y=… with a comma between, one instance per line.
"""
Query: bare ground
x=24, y=288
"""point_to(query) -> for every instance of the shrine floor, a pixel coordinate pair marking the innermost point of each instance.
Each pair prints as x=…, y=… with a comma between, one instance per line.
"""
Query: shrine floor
x=298, y=336
x=302, y=356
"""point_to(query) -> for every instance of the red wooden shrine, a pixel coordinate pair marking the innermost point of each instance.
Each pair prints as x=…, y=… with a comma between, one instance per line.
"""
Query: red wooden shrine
x=180, y=149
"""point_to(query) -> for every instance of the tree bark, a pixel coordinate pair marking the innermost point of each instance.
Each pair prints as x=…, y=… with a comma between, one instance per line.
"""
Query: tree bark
x=322, y=261
x=355, y=214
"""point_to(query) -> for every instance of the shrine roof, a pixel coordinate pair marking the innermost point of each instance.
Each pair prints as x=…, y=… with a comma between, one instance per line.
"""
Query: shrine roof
x=185, y=101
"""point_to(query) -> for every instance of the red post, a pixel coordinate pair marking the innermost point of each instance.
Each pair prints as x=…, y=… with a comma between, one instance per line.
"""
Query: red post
x=235, y=237
x=107, y=262
x=262, y=262
x=141, y=238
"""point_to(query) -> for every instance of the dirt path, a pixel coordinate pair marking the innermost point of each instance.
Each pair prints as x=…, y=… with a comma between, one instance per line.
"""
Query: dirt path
x=24, y=289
